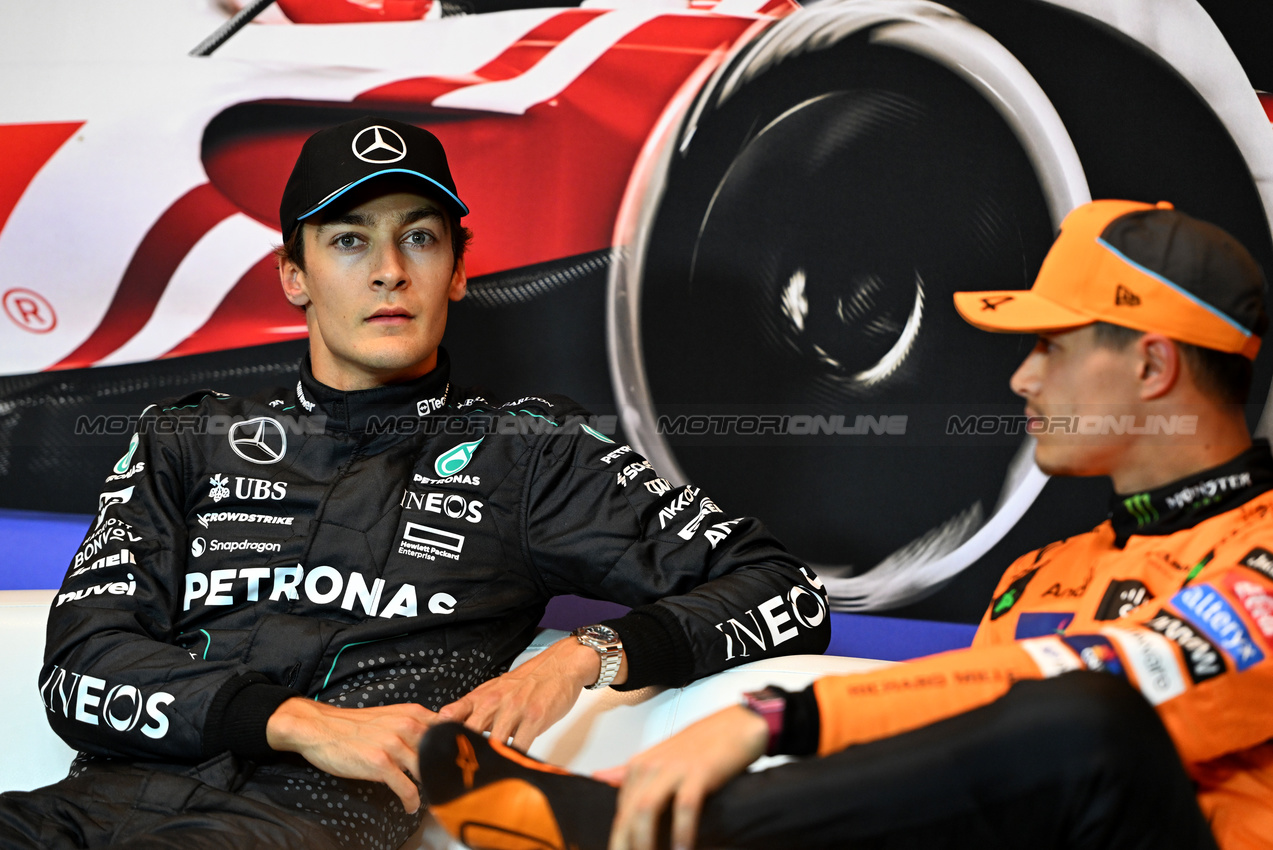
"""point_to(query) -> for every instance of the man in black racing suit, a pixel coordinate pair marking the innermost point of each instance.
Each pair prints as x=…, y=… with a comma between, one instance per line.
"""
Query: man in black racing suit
x=279, y=592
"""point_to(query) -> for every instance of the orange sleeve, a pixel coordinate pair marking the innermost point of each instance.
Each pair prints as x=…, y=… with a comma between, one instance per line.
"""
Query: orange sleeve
x=863, y=707
x=1202, y=658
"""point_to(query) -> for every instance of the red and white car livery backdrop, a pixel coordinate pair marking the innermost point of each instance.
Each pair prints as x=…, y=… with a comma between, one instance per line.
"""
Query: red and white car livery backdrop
x=734, y=224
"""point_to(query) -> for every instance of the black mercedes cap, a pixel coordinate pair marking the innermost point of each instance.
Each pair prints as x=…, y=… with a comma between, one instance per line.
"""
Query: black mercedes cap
x=335, y=160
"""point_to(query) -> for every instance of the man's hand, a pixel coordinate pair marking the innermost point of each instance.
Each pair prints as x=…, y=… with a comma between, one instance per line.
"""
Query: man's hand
x=682, y=771
x=379, y=744
x=527, y=700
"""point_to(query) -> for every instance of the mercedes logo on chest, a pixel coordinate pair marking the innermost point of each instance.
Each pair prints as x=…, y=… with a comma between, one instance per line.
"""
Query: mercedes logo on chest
x=379, y=145
x=259, y=440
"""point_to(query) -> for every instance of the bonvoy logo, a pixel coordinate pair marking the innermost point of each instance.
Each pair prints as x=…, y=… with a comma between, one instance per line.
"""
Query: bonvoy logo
x=113, y=532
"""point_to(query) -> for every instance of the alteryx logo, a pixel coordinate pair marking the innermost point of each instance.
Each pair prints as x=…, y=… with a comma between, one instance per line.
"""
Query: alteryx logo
x=121, y=466
x=451, y=462
x=594, y=432
x=1215, y=617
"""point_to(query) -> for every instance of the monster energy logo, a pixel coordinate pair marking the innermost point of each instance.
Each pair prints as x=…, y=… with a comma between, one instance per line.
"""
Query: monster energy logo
x=1141, y=507
x=451, y=462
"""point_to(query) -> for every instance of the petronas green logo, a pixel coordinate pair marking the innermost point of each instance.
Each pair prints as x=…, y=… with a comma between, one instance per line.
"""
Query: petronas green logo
x=1142, y=508
x=121, y=466
x=451, y=462
x=602, y=437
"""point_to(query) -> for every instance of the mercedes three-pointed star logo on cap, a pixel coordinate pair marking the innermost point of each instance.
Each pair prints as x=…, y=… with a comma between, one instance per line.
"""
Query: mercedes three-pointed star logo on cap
x=383, y=147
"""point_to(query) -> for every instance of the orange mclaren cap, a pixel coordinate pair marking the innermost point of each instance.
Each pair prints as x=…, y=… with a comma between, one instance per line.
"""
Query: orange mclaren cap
x=1142, y=266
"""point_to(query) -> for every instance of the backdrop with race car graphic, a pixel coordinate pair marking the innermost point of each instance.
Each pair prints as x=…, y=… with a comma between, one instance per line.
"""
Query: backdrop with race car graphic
x=736, y=226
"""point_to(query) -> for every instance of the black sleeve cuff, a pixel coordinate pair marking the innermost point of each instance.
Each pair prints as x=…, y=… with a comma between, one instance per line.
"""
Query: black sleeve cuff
x=657, y=650
x=239, y=715
x=801, y=725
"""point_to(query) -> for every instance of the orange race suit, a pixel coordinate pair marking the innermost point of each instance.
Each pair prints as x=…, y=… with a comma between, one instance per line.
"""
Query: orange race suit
x=1174, y=593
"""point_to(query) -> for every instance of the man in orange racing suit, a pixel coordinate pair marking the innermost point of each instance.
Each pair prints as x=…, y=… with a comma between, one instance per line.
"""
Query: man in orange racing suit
x=1116, y=694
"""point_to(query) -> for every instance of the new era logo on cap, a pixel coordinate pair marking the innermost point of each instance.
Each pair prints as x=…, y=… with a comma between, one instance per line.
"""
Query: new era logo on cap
x=1125, y=297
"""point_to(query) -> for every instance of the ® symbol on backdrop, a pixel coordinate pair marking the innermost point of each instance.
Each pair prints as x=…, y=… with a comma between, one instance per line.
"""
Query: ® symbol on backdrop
x=259, y=440
x=29, y=311
x=382, y=147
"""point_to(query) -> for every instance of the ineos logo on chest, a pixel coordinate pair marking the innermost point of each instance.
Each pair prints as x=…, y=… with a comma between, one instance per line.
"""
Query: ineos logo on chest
x=451, y=504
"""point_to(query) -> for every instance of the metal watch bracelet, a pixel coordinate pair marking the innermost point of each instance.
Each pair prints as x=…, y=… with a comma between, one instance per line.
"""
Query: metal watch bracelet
x=605, y=641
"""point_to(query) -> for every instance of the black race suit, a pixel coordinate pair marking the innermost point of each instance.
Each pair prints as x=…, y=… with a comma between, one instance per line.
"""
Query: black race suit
x=363, y=548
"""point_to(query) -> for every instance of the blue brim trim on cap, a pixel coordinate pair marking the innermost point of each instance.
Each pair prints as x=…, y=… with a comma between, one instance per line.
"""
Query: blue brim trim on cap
x=343, y=189
x=1194, y=298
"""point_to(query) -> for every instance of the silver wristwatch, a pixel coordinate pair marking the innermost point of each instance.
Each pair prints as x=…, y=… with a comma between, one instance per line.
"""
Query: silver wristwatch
x=605, y=641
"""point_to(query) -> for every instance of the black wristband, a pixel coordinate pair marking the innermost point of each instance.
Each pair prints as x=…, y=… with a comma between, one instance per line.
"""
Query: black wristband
x=801, y=724
x=239, y=715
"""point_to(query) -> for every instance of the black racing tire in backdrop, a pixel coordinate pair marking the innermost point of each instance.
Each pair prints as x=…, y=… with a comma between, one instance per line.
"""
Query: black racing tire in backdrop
x=799, y=239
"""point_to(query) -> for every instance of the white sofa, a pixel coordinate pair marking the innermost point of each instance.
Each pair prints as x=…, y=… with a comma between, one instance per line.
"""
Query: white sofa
x=603, y=729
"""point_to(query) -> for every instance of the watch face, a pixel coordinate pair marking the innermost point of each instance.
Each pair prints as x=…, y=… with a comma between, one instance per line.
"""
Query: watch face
x=605, y=634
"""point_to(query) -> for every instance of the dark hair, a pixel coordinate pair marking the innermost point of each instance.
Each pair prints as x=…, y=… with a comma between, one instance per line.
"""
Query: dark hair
x=1225, y=377
x=293, y=250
